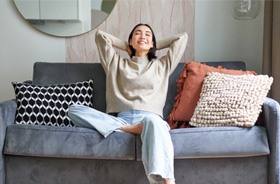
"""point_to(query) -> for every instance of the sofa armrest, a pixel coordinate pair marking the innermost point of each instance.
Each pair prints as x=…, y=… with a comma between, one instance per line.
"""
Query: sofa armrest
x=271, y=110
x=7, y=117
x=7, y=112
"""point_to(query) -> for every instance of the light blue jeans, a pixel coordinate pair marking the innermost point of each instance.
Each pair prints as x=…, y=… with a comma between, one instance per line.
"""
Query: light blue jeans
x=157, y=146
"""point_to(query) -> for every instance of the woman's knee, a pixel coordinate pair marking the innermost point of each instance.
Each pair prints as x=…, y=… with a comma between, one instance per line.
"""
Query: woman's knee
x=77, y=113
x=73, y=109
x=153, y=120
x=76, y=110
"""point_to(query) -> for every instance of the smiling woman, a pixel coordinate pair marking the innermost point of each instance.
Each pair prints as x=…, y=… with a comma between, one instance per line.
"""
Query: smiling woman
x=144, y=42
x=65, y=18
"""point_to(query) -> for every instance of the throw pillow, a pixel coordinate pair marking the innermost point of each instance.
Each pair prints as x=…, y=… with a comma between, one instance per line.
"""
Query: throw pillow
x=189, y=88
x=48, y=105
x=231, y=100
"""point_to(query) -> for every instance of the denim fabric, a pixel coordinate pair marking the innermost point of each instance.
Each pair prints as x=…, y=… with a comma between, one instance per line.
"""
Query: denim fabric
x=83, y=116
x=157, y=147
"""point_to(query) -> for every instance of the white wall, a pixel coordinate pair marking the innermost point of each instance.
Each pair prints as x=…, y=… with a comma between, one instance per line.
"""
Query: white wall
x=96, y=4
x=218, y=36
x=20, y=46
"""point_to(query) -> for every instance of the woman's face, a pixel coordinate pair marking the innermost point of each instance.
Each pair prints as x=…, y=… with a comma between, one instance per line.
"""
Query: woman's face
x=142, y=40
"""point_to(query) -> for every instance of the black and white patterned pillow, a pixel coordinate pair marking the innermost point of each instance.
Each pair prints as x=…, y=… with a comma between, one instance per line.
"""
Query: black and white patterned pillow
x=48, y=105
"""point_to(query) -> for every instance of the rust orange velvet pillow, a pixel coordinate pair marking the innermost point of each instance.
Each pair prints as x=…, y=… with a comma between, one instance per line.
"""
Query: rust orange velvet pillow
x=189, y=88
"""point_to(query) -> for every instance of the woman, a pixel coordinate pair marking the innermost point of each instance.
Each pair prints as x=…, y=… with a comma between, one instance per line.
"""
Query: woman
x=136, y=90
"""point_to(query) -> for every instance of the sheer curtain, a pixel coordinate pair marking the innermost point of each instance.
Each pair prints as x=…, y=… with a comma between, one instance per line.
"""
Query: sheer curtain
x=271, y=47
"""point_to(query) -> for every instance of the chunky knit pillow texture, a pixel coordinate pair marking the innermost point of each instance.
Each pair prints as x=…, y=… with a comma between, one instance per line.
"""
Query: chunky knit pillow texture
x=231, y=100
x=189, y=87
x=48, y=105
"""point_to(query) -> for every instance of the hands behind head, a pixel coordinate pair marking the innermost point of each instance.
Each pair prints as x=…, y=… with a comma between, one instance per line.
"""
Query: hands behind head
x=128, y=50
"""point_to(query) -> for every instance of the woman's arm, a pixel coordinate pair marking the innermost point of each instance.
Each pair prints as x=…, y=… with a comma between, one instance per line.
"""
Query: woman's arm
x=165, y=43
x=105, y=44
x=176, y=45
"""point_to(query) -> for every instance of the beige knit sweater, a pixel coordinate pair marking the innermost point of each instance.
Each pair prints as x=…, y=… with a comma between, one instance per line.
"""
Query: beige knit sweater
x=137, y=83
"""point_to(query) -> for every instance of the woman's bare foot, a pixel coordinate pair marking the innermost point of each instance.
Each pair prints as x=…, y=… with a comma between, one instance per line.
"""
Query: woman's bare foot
x=134, y=129
x=169, y=181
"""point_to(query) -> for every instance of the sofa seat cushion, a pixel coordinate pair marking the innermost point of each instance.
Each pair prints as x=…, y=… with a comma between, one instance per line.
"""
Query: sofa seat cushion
x=217, y=142
x=68, y=142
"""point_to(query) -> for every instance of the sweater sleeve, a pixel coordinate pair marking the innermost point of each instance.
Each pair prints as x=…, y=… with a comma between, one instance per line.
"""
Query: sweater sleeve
x=105, y=45
x=176, y=45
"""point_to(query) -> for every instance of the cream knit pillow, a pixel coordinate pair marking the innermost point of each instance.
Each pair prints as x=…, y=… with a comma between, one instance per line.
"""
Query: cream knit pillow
x=231, y=100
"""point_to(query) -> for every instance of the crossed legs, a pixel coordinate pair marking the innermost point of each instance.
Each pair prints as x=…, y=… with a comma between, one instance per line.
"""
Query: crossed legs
x=154, y=133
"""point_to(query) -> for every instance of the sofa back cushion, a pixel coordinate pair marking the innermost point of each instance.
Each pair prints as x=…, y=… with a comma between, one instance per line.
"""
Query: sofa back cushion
x=45, y=73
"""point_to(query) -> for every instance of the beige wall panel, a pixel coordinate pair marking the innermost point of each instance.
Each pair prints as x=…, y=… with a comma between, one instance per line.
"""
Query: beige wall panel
x=167, y=17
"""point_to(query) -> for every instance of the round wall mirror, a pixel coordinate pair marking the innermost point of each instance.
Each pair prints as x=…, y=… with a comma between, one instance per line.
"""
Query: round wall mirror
x=65, y=18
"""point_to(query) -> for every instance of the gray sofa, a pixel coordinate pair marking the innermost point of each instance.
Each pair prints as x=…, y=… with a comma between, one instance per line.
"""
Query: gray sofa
x=34, y=154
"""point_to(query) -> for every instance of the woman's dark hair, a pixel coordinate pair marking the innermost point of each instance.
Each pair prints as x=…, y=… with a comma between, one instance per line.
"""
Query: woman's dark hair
x=152, y=51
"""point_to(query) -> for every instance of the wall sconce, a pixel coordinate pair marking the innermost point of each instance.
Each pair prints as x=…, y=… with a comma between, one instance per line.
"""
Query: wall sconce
x=246, y=9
